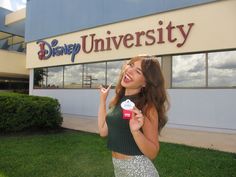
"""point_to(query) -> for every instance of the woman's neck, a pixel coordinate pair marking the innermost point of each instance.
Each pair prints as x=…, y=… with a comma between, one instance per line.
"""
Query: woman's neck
x=129, y=92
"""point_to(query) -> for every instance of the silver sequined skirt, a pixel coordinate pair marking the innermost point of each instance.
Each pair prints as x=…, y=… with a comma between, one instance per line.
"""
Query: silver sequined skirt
x=137, y=166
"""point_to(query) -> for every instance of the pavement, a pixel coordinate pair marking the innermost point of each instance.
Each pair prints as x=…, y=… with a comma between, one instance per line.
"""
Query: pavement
x=211, y=140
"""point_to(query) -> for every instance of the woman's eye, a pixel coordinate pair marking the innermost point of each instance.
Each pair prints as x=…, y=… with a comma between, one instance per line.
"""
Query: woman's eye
x=139, y=72
x=131, y=64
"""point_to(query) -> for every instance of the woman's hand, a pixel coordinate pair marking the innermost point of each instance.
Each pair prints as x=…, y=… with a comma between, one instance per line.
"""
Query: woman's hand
x=137, y=120
x=147, y=139
x=102, y=126
x=104, y=92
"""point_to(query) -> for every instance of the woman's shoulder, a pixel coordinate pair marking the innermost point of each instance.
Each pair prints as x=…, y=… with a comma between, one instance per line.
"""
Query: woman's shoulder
x=151, y=113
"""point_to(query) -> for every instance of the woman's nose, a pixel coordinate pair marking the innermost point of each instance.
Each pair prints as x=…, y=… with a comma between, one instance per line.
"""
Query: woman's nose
x=130, y=70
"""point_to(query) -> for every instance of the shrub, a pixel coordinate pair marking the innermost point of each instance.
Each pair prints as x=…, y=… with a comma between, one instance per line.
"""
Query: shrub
x=19, y=112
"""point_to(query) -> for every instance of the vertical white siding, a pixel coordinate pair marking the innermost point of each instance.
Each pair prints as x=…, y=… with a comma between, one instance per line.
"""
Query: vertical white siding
x=203, y=109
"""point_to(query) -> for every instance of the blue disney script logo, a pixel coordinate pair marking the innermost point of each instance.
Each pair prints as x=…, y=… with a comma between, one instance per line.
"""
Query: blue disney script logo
x=48, y=50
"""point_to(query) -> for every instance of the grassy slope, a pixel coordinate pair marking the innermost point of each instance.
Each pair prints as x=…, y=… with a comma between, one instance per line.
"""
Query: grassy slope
x=78, y=154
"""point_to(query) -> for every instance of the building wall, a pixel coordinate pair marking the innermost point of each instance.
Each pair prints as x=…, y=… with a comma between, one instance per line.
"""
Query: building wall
x=203, y=109
x=206, y=109
x=17, y=28
x=209, y=31
x=13, y=64
x=45, y=19
x=15, y=17
x=200, y=109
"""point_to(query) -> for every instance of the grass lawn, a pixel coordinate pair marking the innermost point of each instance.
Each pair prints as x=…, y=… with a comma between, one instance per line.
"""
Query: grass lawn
x=79, y=154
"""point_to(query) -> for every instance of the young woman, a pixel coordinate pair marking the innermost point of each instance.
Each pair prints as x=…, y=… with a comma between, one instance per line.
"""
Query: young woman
x=134, y=142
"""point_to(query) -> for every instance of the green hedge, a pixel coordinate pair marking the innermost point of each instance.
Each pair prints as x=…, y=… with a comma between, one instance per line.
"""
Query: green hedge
x=19, y=112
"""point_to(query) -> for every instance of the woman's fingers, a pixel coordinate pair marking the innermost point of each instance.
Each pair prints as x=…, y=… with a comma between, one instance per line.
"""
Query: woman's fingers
x=108, y=88
x=138, y=115
x=104, y=90
x=137, y=120
x=137, y=112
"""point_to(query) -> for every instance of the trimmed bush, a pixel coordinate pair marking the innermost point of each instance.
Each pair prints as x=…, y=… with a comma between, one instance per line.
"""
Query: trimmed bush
x=19, y=112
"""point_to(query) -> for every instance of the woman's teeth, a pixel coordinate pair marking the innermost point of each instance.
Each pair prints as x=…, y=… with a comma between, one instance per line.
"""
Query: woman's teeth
x=127, y=78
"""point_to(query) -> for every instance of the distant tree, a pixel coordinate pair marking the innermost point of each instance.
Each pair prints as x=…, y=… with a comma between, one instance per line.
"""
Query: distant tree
x=39, y=76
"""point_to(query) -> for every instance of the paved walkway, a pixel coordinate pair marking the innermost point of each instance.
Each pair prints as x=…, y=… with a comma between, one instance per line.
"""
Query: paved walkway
x=211, y=140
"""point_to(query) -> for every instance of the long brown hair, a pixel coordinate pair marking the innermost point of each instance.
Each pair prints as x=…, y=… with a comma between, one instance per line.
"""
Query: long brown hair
x=153, y=95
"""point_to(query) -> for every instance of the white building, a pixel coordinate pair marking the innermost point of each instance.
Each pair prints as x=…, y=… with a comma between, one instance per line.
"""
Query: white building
x=72, y=47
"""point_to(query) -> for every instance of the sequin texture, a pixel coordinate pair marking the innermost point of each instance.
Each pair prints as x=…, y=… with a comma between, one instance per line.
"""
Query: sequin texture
x=137, y=166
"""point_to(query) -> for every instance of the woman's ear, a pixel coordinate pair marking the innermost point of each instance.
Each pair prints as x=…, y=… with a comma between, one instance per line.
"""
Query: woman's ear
x=144, y=84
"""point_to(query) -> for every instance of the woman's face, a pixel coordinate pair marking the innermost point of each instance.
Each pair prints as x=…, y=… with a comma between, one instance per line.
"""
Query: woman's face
x=133, y=77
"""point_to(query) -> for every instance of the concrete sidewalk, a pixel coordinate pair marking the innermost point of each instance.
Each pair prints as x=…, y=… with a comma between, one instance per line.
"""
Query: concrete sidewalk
x=211, y=140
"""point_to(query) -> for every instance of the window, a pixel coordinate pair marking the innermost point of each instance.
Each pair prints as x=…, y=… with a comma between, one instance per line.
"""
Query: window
x=94, y=75
x=40, y=77
x=73, y=76
x=222, y=69
x=113, y=71
x=90, y=75
x=55, y=77
x=188, y=70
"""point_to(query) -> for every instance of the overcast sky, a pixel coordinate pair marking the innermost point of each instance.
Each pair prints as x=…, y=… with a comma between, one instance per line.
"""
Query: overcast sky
x=13, y=4
x=189, y=70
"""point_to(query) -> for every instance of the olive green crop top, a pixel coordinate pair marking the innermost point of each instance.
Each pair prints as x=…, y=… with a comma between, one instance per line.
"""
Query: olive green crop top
x=120, y=138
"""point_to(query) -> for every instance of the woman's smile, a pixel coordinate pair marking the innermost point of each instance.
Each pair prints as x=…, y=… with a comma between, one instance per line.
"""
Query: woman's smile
x=127, y=78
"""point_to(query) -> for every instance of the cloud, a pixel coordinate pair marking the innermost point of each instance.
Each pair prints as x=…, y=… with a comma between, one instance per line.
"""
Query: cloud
x=198, y=67
x=225, y=64
x=229, y=65
x=189, y=79
x=189, y=70
x=5, y=4
x=222, y=60
x=73, y=73
x=13, y=4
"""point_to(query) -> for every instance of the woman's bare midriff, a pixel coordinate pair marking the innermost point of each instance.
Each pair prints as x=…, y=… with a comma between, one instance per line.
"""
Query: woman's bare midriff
x=118, y=155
